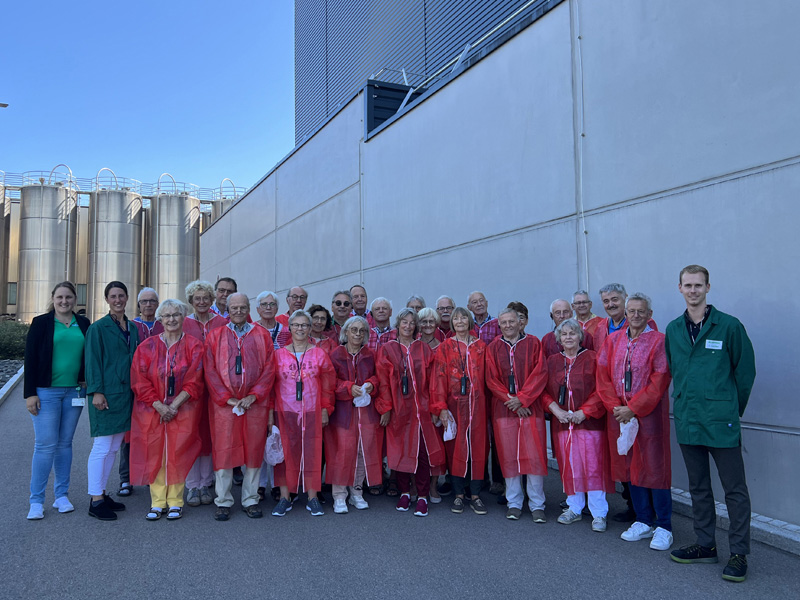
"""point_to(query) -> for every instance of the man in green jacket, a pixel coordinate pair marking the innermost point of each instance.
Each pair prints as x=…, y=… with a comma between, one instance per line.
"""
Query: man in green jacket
x=713, y=369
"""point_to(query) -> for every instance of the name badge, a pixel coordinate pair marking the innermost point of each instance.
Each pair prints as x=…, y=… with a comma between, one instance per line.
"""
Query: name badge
x=79, y=402
x=714, y=344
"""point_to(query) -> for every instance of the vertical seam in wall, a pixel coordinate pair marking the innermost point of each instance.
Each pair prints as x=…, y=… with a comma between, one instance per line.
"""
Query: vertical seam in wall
x=275, y=239
x=581, y=234
x=361, y=210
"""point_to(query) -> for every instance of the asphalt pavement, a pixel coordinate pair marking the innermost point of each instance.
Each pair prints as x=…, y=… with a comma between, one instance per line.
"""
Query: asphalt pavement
x=375, y=553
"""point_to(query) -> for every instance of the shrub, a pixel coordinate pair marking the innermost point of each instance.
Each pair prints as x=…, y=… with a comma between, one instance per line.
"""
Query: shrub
x=12, y=340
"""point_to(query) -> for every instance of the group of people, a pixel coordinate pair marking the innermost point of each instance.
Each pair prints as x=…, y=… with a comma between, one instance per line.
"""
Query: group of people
x=194, y=392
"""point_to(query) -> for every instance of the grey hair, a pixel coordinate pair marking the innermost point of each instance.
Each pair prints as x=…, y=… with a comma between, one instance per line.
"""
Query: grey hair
x=199, y=285
x=506, y=311
x=570, y=324
x=171, y=303
x=553, y=303
x=299, y=313
x=348, y=324
x=380, y=299
x=342, y=293
x=642, y=298
x=426, y=312
x=267, y=294
x=471, y=294
x=405, y=313
x=613, y=287
x=415, y=297
x=440, y=298
x=146, y=289
x=581, y=293
x=243, y=295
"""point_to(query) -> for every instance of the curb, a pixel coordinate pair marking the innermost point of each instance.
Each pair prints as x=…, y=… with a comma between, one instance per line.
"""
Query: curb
x=773, y=532
x=5, y=392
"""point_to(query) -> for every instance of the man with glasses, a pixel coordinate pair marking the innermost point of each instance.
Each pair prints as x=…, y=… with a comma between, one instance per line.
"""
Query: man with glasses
x=224, y=287
x=147, y=301
x=239, y=370
x=341, y=306
x=560, y=311
x=582, y=305
x=445, y=306
x=296, y=298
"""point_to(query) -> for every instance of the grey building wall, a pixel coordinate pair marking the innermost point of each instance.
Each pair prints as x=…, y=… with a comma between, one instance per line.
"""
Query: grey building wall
x=340, y=43
x=609, y=141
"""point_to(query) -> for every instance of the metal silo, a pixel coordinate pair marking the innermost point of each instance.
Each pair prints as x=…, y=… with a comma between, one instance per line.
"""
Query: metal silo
x=5, y=231
x=174, y=241
x=115, y=242
x=47, y=234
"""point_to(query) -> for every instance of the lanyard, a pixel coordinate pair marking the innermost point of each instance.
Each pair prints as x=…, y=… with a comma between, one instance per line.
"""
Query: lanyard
x=354, y=358
x=299, y=378
x=627, y=380
x=463, y=361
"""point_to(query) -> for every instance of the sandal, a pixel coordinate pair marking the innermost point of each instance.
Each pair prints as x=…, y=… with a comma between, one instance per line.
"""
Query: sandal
x=154, y=514
x=125, y=489
x=376, y=490
x=392, y=490
x=175, y=512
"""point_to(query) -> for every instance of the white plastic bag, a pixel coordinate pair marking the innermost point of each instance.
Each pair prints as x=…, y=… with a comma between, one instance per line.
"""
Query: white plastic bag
x=273, y=451
x=450, y=430
x=238, y=411
x=363, y=400
x=627, y=435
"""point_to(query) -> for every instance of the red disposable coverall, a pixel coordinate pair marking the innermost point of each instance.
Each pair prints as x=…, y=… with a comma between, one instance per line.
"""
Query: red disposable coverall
x=411, y=414
x=581, y=450
x=239, y=440
x=451, y=361
x=179, y=438
x=552, y=346
x=350, y=426
x=648, y=463
x=196, y=329
x=521, y=441
x=300, y=423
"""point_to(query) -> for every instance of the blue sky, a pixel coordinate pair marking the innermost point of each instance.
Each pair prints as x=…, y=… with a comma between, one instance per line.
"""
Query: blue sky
x=202, y=90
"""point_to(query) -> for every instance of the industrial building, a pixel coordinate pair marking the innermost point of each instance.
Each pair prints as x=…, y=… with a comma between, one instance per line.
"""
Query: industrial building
x=567, y=144
x=56, y=227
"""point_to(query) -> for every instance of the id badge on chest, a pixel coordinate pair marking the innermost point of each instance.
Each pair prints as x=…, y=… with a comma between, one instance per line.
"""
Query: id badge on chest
x=81, y=399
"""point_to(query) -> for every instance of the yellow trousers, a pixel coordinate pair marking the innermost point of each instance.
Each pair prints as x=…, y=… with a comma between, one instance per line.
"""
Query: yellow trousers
x=163, y=495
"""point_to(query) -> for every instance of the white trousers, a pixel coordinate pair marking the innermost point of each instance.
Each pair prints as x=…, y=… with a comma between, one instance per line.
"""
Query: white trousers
x=201, y=474
x=535, y=488
x=340, y=491
x=101, y=461
x=598, y=505
x=267, y=478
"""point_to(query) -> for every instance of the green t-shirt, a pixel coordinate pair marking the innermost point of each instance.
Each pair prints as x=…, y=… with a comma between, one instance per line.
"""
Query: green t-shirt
x=68, y=344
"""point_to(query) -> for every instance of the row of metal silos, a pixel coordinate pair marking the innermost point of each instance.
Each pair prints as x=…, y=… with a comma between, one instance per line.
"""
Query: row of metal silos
x=157, y=247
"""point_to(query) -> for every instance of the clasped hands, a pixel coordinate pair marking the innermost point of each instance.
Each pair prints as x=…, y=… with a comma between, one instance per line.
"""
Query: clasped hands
x=515, y=405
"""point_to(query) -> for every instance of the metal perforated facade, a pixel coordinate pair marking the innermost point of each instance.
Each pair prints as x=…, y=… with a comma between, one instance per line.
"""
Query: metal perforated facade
x=339, y=44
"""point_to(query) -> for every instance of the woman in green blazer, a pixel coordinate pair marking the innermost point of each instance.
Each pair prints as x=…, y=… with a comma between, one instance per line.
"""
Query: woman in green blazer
x=110, y=344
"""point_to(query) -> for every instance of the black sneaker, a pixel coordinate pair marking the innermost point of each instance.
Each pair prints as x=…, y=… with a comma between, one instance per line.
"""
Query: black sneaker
x=694, y=553
x=100, y=510
x=626, y=516
x=238, y=476
x=736, y=569
x=113, y=504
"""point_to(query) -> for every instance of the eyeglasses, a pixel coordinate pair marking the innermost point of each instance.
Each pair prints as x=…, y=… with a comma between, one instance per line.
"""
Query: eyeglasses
x=299, y=325
x=636, y=312
x=444, y=308
x=581, y=303
x=172, y=316
x=357, y=331
x=295, y=297
x=148, y=301
x=268, y=305
x=346, y=303
x=319, y=319
x=226, y=291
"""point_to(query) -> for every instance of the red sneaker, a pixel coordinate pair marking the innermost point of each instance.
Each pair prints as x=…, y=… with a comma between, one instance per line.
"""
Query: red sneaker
x=403, y=503
x=422, y=508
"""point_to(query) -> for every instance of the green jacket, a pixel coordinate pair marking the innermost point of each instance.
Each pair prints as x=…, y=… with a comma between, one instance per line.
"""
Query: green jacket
x=108, y=371
x=712, y=379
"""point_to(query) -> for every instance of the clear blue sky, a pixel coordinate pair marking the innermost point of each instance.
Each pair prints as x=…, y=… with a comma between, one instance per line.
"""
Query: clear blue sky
x=200, y=89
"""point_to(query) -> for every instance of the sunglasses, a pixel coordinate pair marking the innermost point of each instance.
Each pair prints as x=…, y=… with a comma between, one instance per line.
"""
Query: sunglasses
x=346, y=303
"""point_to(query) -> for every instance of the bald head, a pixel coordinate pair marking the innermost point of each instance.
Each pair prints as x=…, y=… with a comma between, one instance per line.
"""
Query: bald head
x=296, y=298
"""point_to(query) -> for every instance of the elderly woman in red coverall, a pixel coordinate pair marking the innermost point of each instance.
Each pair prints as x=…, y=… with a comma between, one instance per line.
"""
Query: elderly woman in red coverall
x=167, y=382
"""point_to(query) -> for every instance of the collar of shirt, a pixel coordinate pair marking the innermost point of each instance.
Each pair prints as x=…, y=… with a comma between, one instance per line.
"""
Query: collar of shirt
x=646, y=329
x=240, y=330
x=522, y=336
x=215, y=309
x=383, y=330
x=612, y=328
x=485, y=321
x=695, y=328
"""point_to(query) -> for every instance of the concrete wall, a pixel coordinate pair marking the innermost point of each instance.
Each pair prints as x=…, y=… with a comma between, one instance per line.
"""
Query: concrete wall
x=609, y=141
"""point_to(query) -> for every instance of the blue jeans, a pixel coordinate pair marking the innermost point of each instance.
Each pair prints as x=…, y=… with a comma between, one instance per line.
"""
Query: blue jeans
x=652, y=507
x=53, y=429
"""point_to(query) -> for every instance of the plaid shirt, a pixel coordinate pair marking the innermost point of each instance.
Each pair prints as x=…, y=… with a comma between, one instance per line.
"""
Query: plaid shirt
x=488, y=330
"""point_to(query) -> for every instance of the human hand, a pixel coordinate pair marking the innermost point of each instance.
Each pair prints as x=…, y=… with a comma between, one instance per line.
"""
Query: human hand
x=523, y=412
x=325, y=419
x=513, y=403
x=99, y=401
x=578, y=417
x=445, y=416
x=385, y=418
x=623, y=414
x=355, y=390
x=33, y=405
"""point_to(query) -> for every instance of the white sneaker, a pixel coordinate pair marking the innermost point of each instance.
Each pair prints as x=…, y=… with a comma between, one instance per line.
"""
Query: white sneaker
x=637, y=531
x=36, y=512
x=63, y=505
x=662, y=539
x=568, y=517
x=358, y=502
x=339, y=506
x=599, y=524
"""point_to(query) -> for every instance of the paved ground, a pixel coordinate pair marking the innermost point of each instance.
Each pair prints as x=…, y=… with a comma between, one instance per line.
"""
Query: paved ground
x=377, y=553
